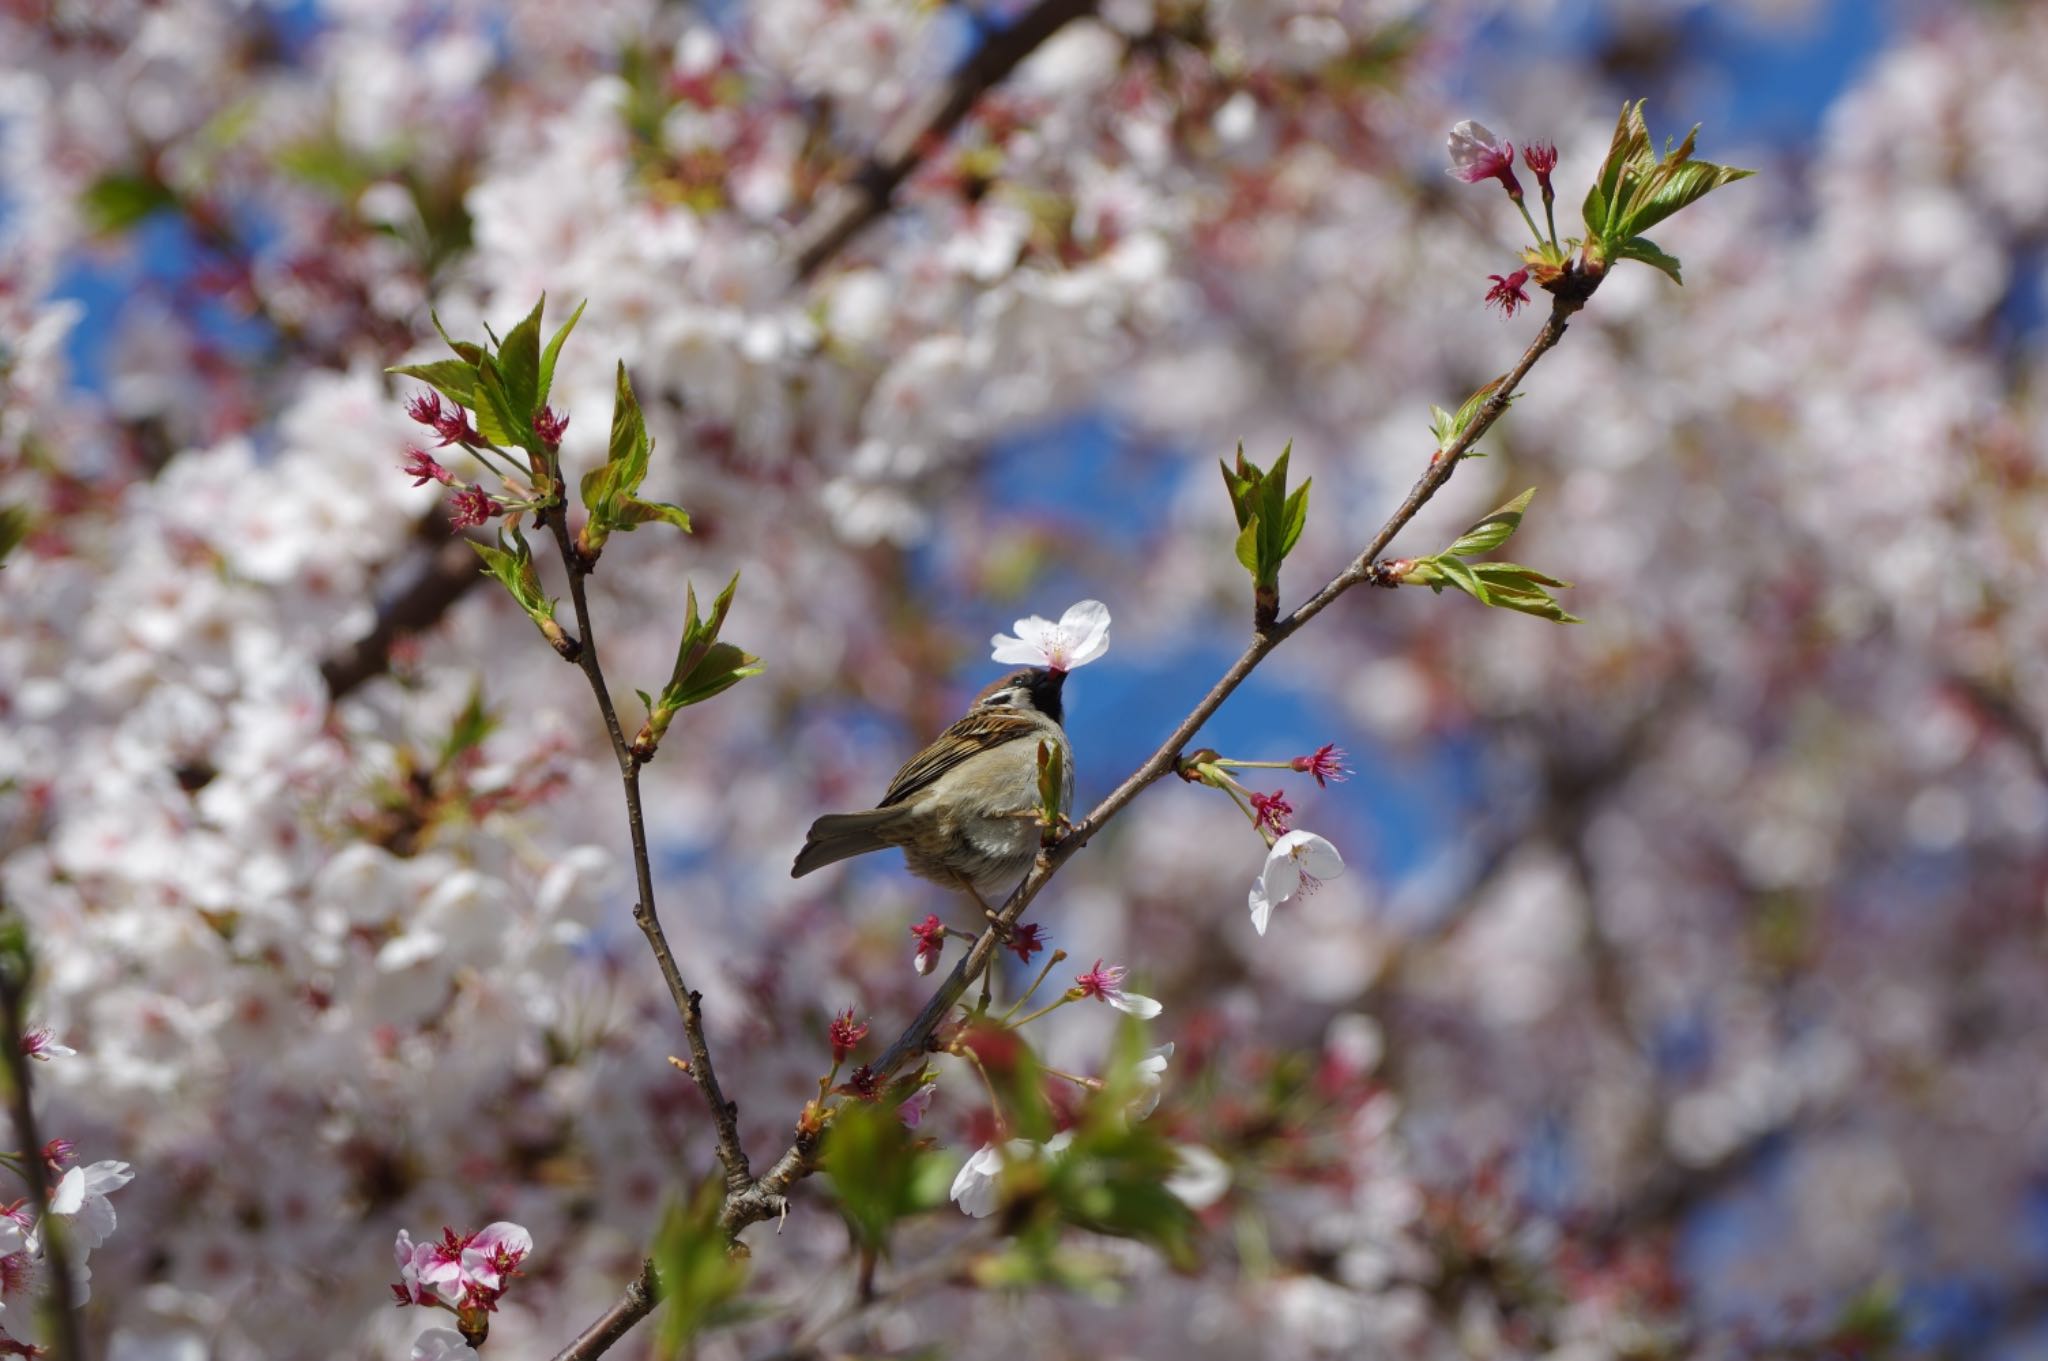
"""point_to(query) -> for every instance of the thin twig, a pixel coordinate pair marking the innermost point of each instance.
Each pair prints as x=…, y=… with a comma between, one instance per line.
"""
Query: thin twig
x=614, y=1323
x=63, y=1306
x=724, y=1114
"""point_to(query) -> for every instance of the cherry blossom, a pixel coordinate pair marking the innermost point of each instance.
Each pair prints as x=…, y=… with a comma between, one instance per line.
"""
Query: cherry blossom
x=1080, y=636
x=81, y=1196
x=39, y=1043
x=1295, y=867
x=1476, y=154
x=1107, y=985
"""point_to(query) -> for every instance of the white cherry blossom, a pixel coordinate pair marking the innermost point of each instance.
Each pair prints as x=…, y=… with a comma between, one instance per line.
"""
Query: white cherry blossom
x=1295, y=867
x=1080, y=636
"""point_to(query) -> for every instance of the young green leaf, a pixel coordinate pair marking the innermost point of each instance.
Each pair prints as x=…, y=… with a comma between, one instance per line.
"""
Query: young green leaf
x=513, y=567
x=475, y=723
x=1052, y=768
x=700, y=1276
x=519, y=365
x=704, y=666
x=13, y=529
x=554, y=349
x=608, y=491
x=114, y=203
x=497, y=419
x=877, y=1172
x=467, y=351
x=1644, y=249
x=452, y=378
x=1494, y=530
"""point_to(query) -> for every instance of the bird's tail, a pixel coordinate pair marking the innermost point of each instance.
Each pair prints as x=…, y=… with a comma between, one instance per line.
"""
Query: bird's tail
x=838, y=836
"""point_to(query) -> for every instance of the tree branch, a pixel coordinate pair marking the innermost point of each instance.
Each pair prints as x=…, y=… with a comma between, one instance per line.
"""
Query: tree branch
x=637, y=1303
x=925, y=125
x=724, y=1114
x=15, y=967
x=796, y=1162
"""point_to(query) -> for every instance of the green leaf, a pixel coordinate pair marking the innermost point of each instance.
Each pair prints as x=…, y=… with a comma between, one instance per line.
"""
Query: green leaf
x=608, y=490
x=114, y=203
x=497, y=419
x=1248, y=546
x=877, y=1172
x=513, y=568
x=452, y=378
x=1675, y=185
x=1239, y=485
x=1440, y=425
x=547, y=358
x=1052, y=768
x=1636, y=189
x=1631, y=142
x=1510, y=586
x=1494, y=530
x=700, y=1276
x=1456, y=573
x=475, y=723
x=633, y=512
x=519, y=366
x=13, y=529
x=721, y=667
x=1512, y=573
x=470, y=354
x=1451, y=427
x=1644, y=249
x=704, y=667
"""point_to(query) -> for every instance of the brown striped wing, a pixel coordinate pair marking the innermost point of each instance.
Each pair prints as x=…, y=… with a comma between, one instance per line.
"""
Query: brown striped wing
x=976, y=733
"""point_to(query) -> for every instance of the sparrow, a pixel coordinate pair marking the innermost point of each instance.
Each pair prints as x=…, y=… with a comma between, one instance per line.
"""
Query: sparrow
x=965, y=809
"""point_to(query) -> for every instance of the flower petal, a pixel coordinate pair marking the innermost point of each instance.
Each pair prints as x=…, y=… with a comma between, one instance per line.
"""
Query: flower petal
x=1086, y=625
x=1318, y=857
x=1201, y=1179
x=1134, y=1004
x=1262, y=907
x=1018, y=651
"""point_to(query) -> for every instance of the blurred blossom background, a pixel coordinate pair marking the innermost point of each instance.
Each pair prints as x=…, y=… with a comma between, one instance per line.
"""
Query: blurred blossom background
x=1685, y=992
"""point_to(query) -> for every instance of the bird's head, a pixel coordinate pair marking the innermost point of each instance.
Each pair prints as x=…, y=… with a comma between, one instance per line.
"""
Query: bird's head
x=1031, y=687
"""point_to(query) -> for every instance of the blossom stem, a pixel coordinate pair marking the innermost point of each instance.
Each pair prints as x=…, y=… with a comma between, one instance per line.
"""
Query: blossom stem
x=1522, y=205
x=482, y=454
x=1550, y=213
x=1051, y=1006
x=1036, y=983
x=1093, y=1084
x=995, y=1103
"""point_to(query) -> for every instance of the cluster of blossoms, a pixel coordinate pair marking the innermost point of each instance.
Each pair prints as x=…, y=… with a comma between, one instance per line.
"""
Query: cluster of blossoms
x=465, y=1274
x=1477, y=155
x=228, y=862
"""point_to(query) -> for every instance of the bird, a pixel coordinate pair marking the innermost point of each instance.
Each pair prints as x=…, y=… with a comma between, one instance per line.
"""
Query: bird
x=965, y=810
